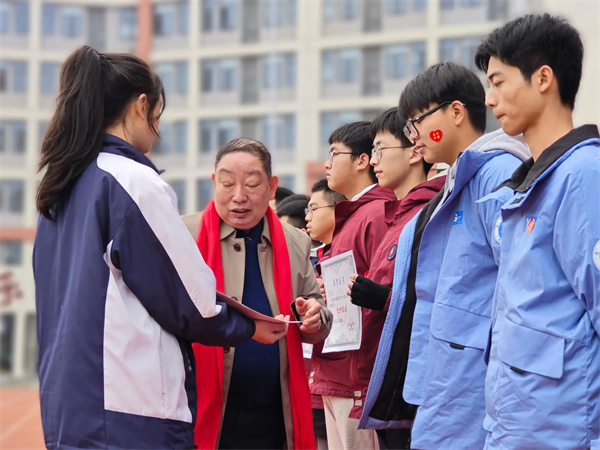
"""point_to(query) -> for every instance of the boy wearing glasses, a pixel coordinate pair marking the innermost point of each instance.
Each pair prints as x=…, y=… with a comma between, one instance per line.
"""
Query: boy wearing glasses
x=457, y=261
x=543, y=380
x=397, y=167
x=359, y=226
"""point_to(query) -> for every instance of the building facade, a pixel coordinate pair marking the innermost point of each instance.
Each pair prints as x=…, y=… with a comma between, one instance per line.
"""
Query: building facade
x=285, y=72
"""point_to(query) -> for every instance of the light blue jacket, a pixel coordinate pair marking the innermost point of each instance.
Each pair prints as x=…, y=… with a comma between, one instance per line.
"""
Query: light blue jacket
x=543, y=381
x=456, y=275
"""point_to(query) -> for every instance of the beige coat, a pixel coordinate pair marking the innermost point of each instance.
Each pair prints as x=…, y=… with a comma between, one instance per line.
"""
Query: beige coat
x=304, y=284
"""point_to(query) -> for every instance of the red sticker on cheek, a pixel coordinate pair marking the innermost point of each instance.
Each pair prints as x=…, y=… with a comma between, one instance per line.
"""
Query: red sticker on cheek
x=436, y=135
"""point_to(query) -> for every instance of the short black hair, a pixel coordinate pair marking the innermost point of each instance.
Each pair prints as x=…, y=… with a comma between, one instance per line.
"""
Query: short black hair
x=281, y=193
x=332, y=197
x=357, y=138
x=293, y=206
x=445, y=82
x=389, y=121
x=532, y=41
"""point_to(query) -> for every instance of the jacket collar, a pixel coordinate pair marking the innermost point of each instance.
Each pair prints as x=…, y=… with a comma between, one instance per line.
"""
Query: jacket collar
x=345, y=208
x=528, y=172
x=416, y=196
x=227, y=230
x=117, y=146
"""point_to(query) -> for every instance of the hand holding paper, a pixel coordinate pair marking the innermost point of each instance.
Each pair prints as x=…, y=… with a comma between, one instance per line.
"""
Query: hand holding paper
x=309, y=311
x=270, y=332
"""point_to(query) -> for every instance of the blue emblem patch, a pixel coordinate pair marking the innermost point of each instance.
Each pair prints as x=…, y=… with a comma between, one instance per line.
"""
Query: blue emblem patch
x=458, y=217
x=392, y=252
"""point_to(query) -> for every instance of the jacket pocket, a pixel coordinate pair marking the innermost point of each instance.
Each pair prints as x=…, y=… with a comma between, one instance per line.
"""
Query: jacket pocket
x=458, y=327
x=527, y=350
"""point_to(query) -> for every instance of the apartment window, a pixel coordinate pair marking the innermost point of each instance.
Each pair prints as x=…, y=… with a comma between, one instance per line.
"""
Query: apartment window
x=21, y=17
x=164, y=19
x=42, y=129
x=13, y=76
x=173, y=138
x=290, y=69
x=206, y=133
x=72, y=21
x=348, y=66
x=180, y=130
x=49, y=13
x=348, y=9
x=208, y=8
x=179, y=188
x=419, y=5
x=447, y=50
x=20, y=76
x=183, y=14
x=13, y=136
x=328, y=66
x=397, y=6
x=226, y=131
x=11, y=196
x=292, y=11
x=228, y=74
x=332, y=120
x=174, y=77
x=279, y=71
x=207, y=82
x=471, y=3
x=11, y=253
x=4, y=17
x=447, y=4
x=396, y=61
x=288, y=181
x=204, y=193
x=49, y=78
x=419, y=57
x=128, y=24
x=468, y=50
x=273, y=13
x=227, y=14
x=279, y=132
x=329, y=10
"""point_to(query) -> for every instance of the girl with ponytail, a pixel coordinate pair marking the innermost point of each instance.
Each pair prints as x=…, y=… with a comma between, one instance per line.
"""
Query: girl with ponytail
x=121, y=288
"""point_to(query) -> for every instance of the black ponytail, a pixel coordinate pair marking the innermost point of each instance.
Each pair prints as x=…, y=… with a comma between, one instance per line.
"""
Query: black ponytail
x=95, y=90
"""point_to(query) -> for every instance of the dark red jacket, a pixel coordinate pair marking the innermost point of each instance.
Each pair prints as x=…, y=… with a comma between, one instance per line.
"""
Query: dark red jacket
x=357, y=372
x=359, y=226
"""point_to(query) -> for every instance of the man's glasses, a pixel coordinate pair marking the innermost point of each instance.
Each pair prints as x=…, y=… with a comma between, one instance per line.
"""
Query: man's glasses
x=410, y=128
x=311, y=209
x=332, y=154
x=376, y=151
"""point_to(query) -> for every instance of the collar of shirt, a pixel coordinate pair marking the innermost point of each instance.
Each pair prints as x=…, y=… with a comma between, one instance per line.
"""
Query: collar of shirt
x=529, y=171
x=363, y=192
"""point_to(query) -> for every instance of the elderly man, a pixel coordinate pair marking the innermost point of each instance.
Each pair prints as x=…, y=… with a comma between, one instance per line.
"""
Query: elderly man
x=246, y=401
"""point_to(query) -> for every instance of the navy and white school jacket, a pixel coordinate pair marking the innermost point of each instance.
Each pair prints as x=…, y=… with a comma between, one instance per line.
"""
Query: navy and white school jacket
x=121, y=291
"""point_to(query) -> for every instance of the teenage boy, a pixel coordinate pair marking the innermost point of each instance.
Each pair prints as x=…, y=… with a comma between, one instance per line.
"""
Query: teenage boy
x=400, y=168
x=456, y=267
x=543, y=381
x=342, y=377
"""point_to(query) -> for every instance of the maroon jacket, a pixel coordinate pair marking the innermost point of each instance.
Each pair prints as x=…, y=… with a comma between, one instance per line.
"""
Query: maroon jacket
x=357, y=372
x=359, y=226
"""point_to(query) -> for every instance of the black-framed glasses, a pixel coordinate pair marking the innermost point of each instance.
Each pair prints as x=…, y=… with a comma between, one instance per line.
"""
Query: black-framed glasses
x=308, y=211
x=376, y=151
x=410, y=128
x=332, y=154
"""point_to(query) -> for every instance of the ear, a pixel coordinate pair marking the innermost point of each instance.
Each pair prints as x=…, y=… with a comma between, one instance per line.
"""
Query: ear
x=415, y=157
x=273, y=183
x=458, y=111
x=214, y=179
x=141, y=105
x=362, y=162
x=544, y=78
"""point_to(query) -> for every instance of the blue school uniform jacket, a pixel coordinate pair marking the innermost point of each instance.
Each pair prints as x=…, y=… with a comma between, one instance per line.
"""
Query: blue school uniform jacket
x=543, y=381
x=456, y=275
x=121, y=290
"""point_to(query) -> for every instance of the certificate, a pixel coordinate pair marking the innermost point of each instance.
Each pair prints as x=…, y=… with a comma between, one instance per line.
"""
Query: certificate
x=346, y=329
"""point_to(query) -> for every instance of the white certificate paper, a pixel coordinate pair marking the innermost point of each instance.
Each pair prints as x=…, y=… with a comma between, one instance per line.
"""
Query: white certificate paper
x=346, y=330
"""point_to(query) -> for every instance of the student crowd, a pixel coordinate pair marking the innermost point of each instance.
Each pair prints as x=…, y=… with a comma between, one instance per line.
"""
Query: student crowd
x=479, y=286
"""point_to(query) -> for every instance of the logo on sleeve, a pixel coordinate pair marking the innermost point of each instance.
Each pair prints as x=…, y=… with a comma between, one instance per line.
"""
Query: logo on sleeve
x=458, y=217
x=498, y=230
x=530, y=224
x=392, y=252
x=596, y=255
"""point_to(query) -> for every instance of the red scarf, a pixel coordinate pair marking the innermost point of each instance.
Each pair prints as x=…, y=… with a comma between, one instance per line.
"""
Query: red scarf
x=209, y=360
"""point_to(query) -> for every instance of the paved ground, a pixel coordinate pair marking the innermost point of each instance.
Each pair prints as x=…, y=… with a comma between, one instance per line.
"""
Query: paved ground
x=20, y=423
